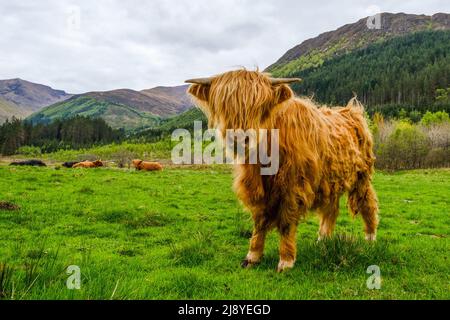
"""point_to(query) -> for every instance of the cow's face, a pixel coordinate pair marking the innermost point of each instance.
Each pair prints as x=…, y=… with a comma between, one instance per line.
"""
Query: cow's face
x=98, y=163
x=239, y=99
x=136, y=162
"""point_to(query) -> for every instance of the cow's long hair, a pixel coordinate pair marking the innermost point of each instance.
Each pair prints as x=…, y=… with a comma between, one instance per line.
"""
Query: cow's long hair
x=324, y=152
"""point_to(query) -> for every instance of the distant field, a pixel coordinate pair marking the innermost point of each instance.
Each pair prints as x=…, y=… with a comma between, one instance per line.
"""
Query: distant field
x=181, y=233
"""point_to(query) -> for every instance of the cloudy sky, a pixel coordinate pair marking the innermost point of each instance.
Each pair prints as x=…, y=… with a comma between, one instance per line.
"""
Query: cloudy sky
x=89, y=45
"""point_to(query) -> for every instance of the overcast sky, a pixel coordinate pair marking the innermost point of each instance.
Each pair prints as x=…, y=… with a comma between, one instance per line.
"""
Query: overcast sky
x=90, y=45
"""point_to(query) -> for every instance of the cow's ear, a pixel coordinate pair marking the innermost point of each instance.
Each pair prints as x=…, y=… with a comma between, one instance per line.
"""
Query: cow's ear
x=282, y=92
x=200, y=91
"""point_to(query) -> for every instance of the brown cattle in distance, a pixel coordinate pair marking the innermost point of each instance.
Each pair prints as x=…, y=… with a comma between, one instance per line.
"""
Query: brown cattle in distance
x=88, y=164
x=147, y=166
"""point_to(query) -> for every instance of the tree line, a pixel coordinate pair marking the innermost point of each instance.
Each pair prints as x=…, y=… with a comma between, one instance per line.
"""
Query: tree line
x=74, y=133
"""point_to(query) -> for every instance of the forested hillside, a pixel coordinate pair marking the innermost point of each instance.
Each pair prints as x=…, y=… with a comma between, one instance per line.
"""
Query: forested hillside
x=167, y=126
x=410, y=72
x=353, y=36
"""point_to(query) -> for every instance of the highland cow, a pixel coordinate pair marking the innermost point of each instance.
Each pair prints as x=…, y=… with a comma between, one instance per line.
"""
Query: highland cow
x=69, y=164
x=147, y=166
x=323, y=153
x=34, y=163
x=88, y=164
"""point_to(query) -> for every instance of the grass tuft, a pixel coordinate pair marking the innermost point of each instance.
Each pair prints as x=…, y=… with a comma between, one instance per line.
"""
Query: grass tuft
x=242, y=225
x=341, y=252
x=195, y=252
x=86, y=190
x=150, y=219
x=5, y=280
x=128, y=252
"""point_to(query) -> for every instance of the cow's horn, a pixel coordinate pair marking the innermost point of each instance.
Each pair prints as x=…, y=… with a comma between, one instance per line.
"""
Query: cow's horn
x=200, y=81
x=284, y=80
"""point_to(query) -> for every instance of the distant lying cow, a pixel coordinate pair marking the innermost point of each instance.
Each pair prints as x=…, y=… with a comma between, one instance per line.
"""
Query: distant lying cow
x=37, y=163
x=88, y=164
x=147, y=166
x=69, y=164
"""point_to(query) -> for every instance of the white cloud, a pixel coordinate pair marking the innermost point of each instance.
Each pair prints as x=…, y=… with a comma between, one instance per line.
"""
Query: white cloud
x=141, y=44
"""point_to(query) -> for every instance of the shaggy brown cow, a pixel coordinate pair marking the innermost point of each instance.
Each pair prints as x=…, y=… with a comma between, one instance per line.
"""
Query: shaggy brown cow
x=88, y=164
x=323, y=153
x=69, y=164
x=147, y=166
x=35, y=163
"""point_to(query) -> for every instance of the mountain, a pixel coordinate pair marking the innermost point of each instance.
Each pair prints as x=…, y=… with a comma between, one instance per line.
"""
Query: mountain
x=160, y=101
x=9, y=110
x=29, y=96
x=401, y=65
x=122, y=108
x=313, y=52
x=174, y=99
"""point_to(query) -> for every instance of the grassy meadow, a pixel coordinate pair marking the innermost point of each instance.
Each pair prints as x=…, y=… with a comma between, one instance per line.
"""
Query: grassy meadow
x=181, y=234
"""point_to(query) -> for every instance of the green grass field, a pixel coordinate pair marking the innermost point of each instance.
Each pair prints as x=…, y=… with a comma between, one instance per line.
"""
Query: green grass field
x=181, y=234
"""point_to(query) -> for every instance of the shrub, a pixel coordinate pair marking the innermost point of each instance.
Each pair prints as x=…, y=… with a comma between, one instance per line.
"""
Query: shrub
x=123, y=157
x=30, y=151
x=438, y=134
x=405, y=148
x=438, y=157
x=431, y=118
x=381, y=132
x=415, y=116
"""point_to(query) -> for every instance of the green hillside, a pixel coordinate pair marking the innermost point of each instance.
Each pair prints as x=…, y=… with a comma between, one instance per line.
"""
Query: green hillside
x=403, y=72
x=116, y=115
x=184, y=120
x=167, y=126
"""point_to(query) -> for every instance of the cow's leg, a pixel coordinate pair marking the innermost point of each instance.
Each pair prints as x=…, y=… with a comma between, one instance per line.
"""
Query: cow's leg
x=249, y=187
x=364, y=200
x=328, y=216
x=288, y=247
x=257, y=241
x=287, y=226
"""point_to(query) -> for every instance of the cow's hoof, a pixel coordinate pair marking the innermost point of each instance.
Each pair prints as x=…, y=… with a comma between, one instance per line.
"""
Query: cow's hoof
x=247, y=263
x=285, y=265
x=371, y=237
x=323, y=237
x=251, y=259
